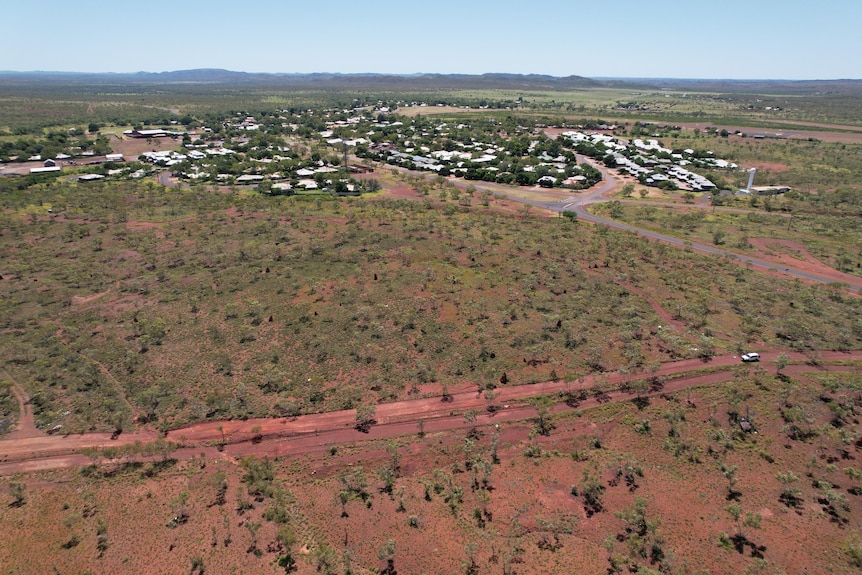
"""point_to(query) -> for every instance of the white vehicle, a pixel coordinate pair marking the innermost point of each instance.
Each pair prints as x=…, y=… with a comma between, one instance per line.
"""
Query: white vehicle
x=751, y=356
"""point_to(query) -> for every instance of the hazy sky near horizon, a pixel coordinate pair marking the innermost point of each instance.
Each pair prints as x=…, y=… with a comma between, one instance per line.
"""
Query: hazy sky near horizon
x=739, y=39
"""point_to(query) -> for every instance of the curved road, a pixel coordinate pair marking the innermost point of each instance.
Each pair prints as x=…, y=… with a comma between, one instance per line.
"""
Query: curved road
x=579, y=203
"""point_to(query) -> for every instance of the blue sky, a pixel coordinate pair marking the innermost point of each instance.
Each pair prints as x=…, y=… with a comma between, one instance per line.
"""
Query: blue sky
x=742, y=39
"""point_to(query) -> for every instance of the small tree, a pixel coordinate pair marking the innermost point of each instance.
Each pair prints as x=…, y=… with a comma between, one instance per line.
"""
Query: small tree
x=285, y=538
x=16, y=489
x=163, y=448
x=471, y=567
x=790, y=495
x=544, y=422
x=326, y=557
x=219, y=481
x=223, y=442
x=490, y=396
x=707, y=348
x=781, y=362
x=445, y=396
x=252, y=527
x=101, y=537
x=388, y=474
x=470, y=415
x=387, y=553
x=179, y=509
x=750, y=520
x=365, y=418
x=729, y=472
x=591, y=490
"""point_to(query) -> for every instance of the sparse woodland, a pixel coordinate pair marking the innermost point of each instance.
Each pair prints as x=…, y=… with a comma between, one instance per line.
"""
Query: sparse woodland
x=126, y=305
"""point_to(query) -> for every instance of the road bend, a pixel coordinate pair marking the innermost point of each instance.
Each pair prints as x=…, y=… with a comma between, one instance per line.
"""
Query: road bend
x=579, y=204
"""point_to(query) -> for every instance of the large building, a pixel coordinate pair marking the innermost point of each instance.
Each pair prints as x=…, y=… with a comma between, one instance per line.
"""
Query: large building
x=152, y=133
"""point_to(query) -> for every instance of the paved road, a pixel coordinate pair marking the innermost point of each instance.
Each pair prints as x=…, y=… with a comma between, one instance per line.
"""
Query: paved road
x=164, y=178
x=578, y=203
x=852, y=282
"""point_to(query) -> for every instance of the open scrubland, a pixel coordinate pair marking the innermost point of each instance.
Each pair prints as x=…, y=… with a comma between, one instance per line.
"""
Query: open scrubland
x=175, y=330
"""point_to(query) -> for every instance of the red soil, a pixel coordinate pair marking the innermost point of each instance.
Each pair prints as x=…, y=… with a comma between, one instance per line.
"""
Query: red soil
x=688, y=499
x=401, y=192
x=770, y=166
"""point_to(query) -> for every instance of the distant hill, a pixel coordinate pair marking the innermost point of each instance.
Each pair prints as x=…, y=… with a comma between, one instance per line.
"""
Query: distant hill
x=322, y=80
x=789, y=87
x=214, y=76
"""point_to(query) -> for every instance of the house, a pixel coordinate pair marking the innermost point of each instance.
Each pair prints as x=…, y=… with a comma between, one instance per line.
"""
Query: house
x=152, y=133
x=45, y=170
x=49, y=163
x=574, y=180
x=248, y=179
x=115, y=158
x=145, y=133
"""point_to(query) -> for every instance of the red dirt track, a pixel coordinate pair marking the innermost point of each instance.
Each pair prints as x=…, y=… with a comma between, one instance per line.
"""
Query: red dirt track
x=316, y=432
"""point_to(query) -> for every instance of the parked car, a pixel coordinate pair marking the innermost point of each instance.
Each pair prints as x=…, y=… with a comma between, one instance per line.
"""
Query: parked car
x=751, y=356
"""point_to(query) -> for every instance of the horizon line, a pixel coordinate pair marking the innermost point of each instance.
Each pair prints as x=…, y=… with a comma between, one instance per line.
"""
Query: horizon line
x=420, y=74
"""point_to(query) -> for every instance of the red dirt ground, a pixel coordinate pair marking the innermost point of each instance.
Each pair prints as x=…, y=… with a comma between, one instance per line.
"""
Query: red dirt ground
x=544, y=489
x=853, y=134
x=131, y=148
x=770, y=166
x=688, y=499
x=401, y=192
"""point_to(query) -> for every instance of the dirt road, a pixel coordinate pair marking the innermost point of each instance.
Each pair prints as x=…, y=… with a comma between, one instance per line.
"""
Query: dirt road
x=25, y=427
x=317, y=432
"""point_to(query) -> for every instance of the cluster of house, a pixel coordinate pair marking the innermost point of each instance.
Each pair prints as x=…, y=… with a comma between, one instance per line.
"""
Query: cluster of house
x=168, y=158
x=559, y=170
x=469, y=155
x=304, y=178
x=646, y=160
x=424, y=149
x=137, y=174
x=196, y=166
x=456, y=162
x=651, y=163
x=56, y=163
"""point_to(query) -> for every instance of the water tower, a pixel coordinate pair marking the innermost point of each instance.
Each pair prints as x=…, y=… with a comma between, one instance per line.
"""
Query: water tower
x=751, y=173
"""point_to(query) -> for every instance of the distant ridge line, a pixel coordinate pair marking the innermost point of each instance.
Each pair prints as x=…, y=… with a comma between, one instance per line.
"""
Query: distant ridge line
x=219, y=76
x=216, y=76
